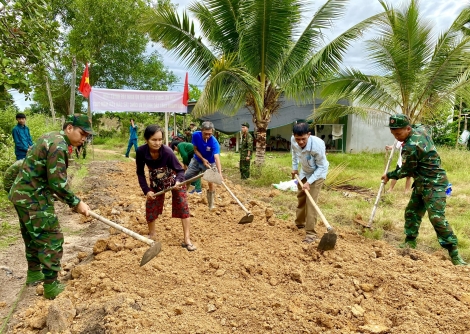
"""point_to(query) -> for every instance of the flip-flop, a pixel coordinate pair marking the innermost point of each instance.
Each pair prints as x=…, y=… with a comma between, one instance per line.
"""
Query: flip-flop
x=189, y=247
x=309, y=239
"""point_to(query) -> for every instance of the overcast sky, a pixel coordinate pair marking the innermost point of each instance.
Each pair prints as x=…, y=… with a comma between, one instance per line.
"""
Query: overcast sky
x=440, y=13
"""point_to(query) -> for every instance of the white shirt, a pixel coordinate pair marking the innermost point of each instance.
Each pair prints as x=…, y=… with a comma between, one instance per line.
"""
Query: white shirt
x=399, y=147
x=312, y=159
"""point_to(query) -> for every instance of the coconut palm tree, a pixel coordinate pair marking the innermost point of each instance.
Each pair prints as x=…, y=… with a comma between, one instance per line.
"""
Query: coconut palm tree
x=418, y=73
x=252, y=51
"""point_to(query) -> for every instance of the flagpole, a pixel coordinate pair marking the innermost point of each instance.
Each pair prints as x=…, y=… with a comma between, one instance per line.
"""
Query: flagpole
x=72, y=86
x=166, y=128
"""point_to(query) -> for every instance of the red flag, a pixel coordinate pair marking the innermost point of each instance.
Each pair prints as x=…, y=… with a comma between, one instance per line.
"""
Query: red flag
x=85, y=87
x=186, y=91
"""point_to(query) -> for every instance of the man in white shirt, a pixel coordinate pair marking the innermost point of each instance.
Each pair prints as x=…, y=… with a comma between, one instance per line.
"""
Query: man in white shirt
x=309, y=152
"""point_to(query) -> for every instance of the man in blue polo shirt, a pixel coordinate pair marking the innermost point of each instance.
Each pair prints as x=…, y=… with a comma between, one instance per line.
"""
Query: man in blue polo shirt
x=206, y=155
x=22, y=137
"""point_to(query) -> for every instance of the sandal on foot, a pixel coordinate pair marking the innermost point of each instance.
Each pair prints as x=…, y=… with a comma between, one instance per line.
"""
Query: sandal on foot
x=309, y=239
x=189, y=247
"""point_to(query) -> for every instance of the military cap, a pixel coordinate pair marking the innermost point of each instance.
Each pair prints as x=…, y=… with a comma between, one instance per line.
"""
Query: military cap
x=80, y=121
x=20, y=115
x=246, y=124
x=398, y=121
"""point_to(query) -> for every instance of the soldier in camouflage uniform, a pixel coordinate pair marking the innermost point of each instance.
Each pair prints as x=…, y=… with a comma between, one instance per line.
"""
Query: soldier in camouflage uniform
x=10, y=174
x=42, y=175
x=421, y=162
x=246, y=148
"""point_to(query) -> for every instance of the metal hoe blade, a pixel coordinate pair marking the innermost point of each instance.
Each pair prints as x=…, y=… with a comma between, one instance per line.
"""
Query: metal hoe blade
x=246, y=219
x=212, y=176
x=151, y=253
x=328, y=241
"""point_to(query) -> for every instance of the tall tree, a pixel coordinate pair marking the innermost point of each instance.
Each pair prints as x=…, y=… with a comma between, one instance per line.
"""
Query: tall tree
x=252, y=51
x=103, y=33
x=28, y=39
x=417, y=73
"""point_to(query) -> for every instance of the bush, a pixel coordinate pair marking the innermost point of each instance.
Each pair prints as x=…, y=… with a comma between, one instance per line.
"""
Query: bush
x=38, y=125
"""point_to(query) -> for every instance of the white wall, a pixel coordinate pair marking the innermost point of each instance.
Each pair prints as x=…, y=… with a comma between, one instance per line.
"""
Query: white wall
x=368, y=135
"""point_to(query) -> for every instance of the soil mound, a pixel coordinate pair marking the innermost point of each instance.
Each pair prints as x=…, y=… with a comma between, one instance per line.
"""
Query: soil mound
x=252, y=278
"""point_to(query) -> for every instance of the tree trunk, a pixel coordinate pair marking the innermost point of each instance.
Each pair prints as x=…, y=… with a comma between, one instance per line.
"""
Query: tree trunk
x=261, y=129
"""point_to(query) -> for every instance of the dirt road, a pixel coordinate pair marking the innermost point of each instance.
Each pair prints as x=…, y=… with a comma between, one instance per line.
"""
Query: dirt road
x=254, y=278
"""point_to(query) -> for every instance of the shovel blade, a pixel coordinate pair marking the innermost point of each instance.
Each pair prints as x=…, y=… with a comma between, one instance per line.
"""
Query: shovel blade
x=212, y=176
x=246, y=219
x=151, y=253
x=327, y=242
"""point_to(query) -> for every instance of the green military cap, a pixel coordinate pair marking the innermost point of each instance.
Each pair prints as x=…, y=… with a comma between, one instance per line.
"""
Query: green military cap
x=246, y=124
x=81, y=121
x=398, y=121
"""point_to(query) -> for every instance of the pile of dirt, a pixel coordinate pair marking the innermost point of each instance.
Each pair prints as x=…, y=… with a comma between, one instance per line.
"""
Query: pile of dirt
x=253, y=278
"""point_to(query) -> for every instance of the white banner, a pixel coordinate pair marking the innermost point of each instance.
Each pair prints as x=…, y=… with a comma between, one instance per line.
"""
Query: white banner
x=102, y=99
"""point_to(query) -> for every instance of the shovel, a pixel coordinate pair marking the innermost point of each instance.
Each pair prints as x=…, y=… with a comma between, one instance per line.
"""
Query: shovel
x=211, y=175
x=155, y=247
x=328, y=241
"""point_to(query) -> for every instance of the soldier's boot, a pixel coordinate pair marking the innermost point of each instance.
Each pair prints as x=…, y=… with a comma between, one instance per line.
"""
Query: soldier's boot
x=53, y=289
x=408, y=243
x=34, y=277
x=210, y=199
x=456, y=259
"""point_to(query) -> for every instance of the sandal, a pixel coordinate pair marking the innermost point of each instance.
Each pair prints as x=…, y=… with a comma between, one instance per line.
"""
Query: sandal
x=309, y=239
x=189, y=247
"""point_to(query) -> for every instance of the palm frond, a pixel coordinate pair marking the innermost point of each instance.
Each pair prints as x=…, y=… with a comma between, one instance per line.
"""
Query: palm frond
x=266, y=32
x=218, y=22
x=227, y=89
x=335, y=179
x=178, y=36
x=312, y=37
x=362, y=90
x=299, y=83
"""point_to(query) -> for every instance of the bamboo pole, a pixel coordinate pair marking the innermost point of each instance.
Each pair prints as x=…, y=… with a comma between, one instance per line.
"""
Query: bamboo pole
x=51, y=103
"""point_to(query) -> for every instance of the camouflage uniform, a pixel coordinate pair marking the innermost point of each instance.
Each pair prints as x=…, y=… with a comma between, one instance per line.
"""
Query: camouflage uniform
x=245, y=147
x=422, y=162
x=43, y=173
x=10, y=174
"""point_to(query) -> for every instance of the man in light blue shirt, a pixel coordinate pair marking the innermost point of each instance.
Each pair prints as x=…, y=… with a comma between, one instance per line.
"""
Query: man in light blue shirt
x=206, y=155
x=22, y=137
x=309, y=152
x=132, y=138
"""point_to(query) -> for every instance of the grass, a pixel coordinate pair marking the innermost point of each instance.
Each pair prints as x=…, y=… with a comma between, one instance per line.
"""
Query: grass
x=341, y=207
x=9, y=234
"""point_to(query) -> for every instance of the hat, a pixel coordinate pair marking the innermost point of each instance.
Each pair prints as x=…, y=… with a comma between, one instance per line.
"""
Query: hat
x=398, y=121
x=192, y=123
x=80, y=121
x=246, y=124
x=20, y=115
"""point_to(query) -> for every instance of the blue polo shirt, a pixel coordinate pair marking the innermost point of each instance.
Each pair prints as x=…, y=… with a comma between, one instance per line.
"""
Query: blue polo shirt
x=207, y=149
